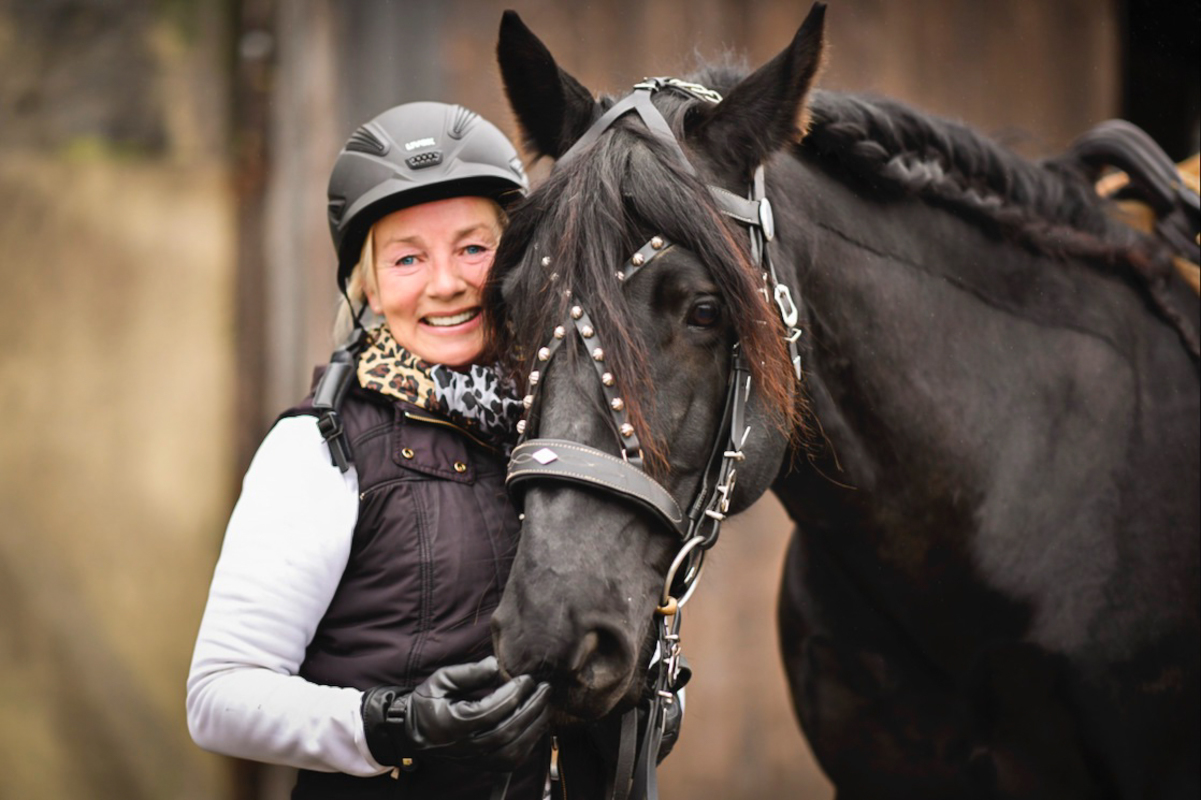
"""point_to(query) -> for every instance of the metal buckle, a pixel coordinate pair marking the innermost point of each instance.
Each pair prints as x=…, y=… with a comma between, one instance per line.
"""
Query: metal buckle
x=695, y=89
x=788, y=310
x=767, y=219
x=726, y=489
x=650, y=84
x=672, y=662
x=329, y=424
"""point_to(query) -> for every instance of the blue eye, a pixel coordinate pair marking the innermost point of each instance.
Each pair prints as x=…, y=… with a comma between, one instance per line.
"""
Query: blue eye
x=474, y=249
x=406, y=261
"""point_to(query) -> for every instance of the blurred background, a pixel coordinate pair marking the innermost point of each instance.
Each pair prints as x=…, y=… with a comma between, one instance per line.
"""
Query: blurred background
x=168, y=287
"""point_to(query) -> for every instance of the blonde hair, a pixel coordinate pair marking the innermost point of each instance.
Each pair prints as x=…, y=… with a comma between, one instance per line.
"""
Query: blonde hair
x=362, y=277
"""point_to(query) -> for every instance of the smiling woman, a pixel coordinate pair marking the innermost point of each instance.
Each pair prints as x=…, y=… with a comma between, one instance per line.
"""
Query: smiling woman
x=429, y=263
x=347, y=627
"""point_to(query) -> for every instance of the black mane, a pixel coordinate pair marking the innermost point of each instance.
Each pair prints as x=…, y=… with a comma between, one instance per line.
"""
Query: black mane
x=897, y=150
x=587, y=218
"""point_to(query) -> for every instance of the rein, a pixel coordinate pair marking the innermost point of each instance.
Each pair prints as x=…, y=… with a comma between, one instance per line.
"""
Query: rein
x=698, y=522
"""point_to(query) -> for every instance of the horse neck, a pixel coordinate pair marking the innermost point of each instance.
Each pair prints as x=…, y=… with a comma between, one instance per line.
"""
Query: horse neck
x=909, y=313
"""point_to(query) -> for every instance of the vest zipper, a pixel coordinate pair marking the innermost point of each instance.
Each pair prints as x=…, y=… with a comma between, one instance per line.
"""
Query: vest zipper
x=451, y=425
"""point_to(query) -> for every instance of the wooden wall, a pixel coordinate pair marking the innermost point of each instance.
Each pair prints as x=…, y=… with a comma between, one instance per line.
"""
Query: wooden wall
x=1034, y=73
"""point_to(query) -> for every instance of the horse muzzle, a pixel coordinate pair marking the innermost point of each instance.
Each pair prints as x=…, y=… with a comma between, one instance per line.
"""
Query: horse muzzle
x=588, y=659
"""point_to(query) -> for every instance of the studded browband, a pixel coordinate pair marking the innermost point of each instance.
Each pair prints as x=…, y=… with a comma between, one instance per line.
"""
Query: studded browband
x=574, y=462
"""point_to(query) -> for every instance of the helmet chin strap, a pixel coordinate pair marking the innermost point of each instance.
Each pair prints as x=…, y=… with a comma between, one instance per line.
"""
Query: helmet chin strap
x=355, y=316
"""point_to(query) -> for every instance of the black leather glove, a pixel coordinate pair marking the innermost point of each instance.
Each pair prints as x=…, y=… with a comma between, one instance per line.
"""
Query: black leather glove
x=437, y=721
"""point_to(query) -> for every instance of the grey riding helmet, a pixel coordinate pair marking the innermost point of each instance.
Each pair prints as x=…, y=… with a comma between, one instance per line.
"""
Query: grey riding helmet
x=411, y=154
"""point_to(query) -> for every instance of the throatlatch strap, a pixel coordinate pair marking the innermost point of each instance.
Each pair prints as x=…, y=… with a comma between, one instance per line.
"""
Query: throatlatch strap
x=737, y=208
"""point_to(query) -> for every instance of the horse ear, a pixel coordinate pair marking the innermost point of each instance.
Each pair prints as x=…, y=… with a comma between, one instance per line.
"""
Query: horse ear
x=767, y=109
x=552, y=108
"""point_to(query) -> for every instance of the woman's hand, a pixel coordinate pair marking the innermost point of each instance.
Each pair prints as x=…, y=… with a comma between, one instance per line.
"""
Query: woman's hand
x=437, y=721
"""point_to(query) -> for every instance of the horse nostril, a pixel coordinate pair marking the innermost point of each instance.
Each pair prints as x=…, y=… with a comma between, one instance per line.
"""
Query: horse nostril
x=583, y=654
x=595, y=654
x=603, y=658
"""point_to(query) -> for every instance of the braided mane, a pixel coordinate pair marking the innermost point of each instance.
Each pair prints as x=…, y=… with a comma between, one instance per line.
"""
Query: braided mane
x=1049, y=207
x=896, y=149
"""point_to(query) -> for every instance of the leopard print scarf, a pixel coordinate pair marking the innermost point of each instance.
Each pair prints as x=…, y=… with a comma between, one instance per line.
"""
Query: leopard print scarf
x=480, y=401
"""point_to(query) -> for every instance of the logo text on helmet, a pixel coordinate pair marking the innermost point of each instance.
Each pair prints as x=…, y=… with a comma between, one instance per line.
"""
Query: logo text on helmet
x=413, y=145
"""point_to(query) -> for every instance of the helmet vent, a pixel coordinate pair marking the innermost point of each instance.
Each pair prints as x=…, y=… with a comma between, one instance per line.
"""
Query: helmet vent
x=336, y=206
x=365, y=140
x=462, y=122
x=431, y=158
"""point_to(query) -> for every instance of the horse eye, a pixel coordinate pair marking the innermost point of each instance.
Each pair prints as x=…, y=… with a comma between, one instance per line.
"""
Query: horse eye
x=704, y=314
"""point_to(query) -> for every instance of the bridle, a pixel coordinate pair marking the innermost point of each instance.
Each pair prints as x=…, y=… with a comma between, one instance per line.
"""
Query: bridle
x=698, y=523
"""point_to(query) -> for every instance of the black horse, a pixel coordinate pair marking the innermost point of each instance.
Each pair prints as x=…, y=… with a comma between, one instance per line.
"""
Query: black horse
x=992, y=458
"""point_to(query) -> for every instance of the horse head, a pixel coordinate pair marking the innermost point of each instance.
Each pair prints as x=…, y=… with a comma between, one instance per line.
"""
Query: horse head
x=624, y=267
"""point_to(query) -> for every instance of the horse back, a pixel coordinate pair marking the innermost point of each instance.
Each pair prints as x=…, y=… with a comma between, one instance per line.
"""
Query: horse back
x=997, y=539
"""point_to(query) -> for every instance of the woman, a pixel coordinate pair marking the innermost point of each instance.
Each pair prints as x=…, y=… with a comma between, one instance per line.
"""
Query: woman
x=346, y=631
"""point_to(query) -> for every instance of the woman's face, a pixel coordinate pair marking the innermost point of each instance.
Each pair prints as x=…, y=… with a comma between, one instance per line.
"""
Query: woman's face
x=430, y=264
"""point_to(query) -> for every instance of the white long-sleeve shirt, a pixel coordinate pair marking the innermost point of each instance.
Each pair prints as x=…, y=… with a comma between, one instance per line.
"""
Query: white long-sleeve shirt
x=286, y=546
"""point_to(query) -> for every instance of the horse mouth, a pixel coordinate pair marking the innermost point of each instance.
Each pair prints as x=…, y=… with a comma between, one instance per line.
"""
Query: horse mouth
x=578, y=698
x=577, y=703
x=587, y=684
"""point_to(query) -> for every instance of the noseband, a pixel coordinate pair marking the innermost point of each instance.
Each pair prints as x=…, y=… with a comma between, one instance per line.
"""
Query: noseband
x=697, y=523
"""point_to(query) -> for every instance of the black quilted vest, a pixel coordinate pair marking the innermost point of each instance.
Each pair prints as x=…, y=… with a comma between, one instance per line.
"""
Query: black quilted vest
x=431, y=552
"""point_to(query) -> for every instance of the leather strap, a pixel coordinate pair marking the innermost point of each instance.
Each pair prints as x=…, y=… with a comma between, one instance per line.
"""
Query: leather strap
x=657, y=246
x=726, y=453
x=1178, y=209
x=573, y=462
x=627, y=750
x=331, y=391
x=631, y=448
x=646, y=784
x=638, y=101
x=735, y=207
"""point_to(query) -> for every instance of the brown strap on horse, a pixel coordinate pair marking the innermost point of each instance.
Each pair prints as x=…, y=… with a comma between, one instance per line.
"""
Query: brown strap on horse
x=1148, y=192
x=1141, y=216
